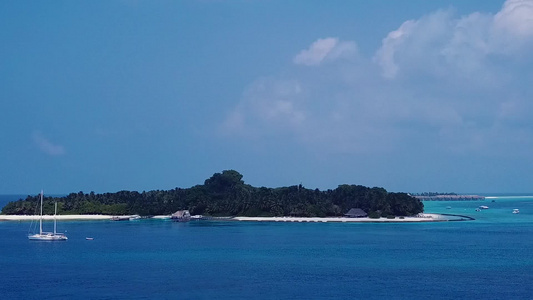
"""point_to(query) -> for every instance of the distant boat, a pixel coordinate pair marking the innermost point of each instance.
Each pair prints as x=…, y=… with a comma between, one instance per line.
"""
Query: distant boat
x=516, y=211
x=125, y=218
x=47, y=236
x=89, y=238
x=483, y=207
x=181, y=216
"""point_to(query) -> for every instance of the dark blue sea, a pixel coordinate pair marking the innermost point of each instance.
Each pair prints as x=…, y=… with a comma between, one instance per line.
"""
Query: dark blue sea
x=489, y=258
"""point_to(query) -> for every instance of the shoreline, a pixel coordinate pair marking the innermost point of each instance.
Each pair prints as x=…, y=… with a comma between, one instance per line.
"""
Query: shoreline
x=51, y=217
x=424, y=217
x=427, y=217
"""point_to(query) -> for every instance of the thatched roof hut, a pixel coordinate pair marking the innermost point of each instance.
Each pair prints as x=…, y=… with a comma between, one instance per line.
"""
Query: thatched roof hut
x=356, y=213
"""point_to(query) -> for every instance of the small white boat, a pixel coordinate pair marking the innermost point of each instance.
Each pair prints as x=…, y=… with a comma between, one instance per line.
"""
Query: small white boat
x=483, y=207
x=89, y=238
x=516, y=211
x=47, y=236
x=181, y=216
x=126, y=218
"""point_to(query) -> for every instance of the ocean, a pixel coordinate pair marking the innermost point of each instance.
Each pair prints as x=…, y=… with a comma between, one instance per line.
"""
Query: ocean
x=489, y=258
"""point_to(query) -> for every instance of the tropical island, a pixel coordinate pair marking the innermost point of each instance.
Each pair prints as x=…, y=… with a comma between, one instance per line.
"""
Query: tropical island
x=226, y=194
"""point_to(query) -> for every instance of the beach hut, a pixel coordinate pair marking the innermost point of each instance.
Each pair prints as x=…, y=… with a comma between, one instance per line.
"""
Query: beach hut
x=356, y=213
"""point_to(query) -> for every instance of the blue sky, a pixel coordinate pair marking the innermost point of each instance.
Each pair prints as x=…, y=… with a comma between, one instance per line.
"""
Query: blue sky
x=141, y=95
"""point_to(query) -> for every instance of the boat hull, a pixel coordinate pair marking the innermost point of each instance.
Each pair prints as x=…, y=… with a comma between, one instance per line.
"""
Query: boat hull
x=47, y=237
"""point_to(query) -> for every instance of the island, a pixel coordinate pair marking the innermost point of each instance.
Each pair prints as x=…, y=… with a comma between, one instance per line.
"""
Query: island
x=226, y=194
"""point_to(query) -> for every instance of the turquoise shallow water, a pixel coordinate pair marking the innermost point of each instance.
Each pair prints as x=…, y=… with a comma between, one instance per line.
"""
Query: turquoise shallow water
x=500, y=209
x=489, y=258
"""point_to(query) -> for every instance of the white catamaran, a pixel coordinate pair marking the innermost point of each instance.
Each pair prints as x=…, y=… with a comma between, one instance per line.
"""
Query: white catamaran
x=47, y=236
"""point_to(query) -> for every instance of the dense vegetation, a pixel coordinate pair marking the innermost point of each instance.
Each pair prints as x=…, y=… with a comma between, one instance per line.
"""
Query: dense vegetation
x=226, y=194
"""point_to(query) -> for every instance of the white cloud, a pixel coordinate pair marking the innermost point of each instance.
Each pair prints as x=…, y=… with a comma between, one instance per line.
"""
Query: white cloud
x=46, y=145
x=325, y=49
x=267, y=101
x=442, y=42
x=316, y=53
x=275, y=100
x=516, y=18
x=394, y=40
x=512, y=28
x=440, y=82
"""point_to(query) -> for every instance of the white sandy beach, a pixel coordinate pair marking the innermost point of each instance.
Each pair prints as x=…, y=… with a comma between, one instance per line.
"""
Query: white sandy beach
x=69, y=217
x=420, y=218
x=51, y=217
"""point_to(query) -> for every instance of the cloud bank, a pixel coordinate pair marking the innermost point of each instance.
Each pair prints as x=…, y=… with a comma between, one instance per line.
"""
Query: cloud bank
x=448, y=83
x=46, y=145
x=324, y=50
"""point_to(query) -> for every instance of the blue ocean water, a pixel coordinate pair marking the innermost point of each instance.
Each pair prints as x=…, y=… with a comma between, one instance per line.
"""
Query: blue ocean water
x=489, y=258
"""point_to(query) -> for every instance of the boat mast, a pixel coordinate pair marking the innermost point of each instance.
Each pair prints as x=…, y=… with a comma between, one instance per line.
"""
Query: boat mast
x=41, y=219
x=55, y=212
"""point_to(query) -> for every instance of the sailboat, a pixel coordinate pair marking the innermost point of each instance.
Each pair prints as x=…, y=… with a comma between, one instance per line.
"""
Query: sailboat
x=47, y=236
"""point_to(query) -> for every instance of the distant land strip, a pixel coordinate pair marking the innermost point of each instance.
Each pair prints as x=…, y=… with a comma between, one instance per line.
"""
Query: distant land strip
x=450, y=198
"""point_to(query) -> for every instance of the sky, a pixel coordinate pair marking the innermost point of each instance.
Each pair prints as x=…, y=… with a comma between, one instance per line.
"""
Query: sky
x=411, y=96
